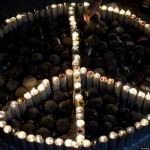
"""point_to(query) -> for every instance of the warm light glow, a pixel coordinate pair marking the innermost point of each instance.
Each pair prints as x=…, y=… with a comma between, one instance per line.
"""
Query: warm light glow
x=79, y=97
x=75, y=144
x=147, y=97
x=80, y=123
x=80, y=138
x=34, y=92
x=53, y=6
x=128, y=13
x=116, y=10
x=20, y=100
x=22, y=135
x=141, y=94
x=2, y=114
x=77, y=85
x=2, y=124
x=83, y=70
x=137, y=125
x=90, y=73
x=122, y=12
x=13, y=19
x=79, y=116
x=104, y=7
x=39, y=139
x=8, y=21
x=103, y=79
x=31, y=138
x=19, y=16
x=7, y=129
x=144, y=122
x=122, y=133
x=113, y=135
x=110, y=8
x=133, y=16
x=103, y=139
x=27, y=95
x=133, y=91
x=41, y=88
x=68, y=143
x=58, y=142
x=126, y=88
x=130, y=129
x=75, y=62
x=13, y=104
x=49, y=140
x=69, y=72
x=86, y=143
x=86, y=4
x=79, y=109
x=110, y=81
x=97, y=75
x=118, y=84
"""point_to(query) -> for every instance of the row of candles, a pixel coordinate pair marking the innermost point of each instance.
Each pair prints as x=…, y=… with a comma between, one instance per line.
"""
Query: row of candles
x=110, y=13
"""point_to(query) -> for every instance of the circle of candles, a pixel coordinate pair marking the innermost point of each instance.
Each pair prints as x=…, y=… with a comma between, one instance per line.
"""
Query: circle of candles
x=22, y=105
x=139, y=101
x=80, y=138
x=115, y=13
x=49, y=143
x=146, y=104
x=121, y=15
x=15, y=109
x=112, y=140
x=3, y=116
x=30, y=141
x=103, y=142
x=68, y=144
x=35, y=96
x=59, y=144
x=42, y=92
x=130, y=135
x=86, y=145
x=124, y=94
x=28, y=99
x=104, y=11
x=8, y=112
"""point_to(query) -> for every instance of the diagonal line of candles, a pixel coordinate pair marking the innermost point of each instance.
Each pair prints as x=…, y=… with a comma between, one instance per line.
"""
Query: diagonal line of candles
x=77, y=79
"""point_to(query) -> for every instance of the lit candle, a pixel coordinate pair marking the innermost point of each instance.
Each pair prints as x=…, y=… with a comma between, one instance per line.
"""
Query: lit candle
x=15, y=109
x=22, y=105
x=90, y=75
x=72, y=18
x=36, y=14
x=24, y=18
x=127, y=17
x=80, y=9
x=47, y=86
x=122, y=134
x=80, y=127
x=75, y=36
x=115, y=13
x=54, y=11
x=3, y=116
x=148, y=118
x=110, y=85
x=79, y=109
x=42, y=92
x=77, y=87
x=103, y=142
x=73, y=5
x=76, y=77
x=28, y=99
x=124, y=95
x=31, y=141
x=30, y=16
x=69, y=77
x=83, y=72
x=146, y=104
x=70, y=14
x=132, y=97
x=130, y=135
x=86, y=5
x=79, y=100
x=132, y=19
x=146, y=28
x=75, y=63
x=59, y=144
x=42, y=13
x=8, y=112
x=96, y=80
x=14, y=22
x=118, y=89
x=19, y=19
x=76, y=68
x=39, y=141
x=71, y=8
x=60, y=10
x=9, y=22
x=2, y=125
x=113, y=136
x=48, y=12
x=68, y=144
x=109, y=13
x=79, y=116
x=145, y=125
x=121, y=15
x=35, y=96
x=86, y=145
x=75, y=145
x=65, y=8
x=22, y=140
x=49, y=141
x=138, y=130
x=79, y=139
x=139, y=101
x=63, y=81
x=142, y=24
x=136, y=23
x=7, y=134
x=103, y=84
x=55, y=84
x=104, y=11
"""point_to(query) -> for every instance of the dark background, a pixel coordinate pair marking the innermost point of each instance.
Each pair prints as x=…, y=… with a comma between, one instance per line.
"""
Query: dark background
x=9, y=8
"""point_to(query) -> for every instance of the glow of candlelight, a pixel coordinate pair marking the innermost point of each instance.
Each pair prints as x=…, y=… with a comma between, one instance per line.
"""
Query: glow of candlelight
x=79, y=109
x=90, y=73
x=22, y=135
x=126, y=88
x=31, y=138
x=58, y=142
x=71, y=8
x=53, y=6
x=147, y=97
x=49, y=140
x=97, y=75
x=13, y=104
x=103, y=78
x=39, y=139
x=116, y=10
x=55, y=79
x=110, y=81
x=77, y=57
x=83, y=70
x=86, y=4
x=7, y=129
x=20, y=100
x=118, y=84
x=34, y=91
x=2, y=114
x=137, y=125
x=122, y=133
x=75, y=62
x=19, y=16
x=69, y=72
x=75, y=144
x=104, y=7
x=79, y=97
x=113, y=135
x=86, y=143
x=41, y=88
x=2, y=124
x=130, y=129
x=79, y=116
x=133, y=91
x=122, y=12
x=103, y=139
x=144, y=122
x=141, y=94
x=68, y=143
x=27, y=95
x=72, y=18
x=77, y=85
x=80, y=138
x=127, y=13
x=110, y=8
x=80, y=123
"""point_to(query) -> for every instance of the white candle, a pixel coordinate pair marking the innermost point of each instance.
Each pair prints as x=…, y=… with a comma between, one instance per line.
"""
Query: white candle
x=75, y=63
x=122, y=134
x=132, y=19
x=39, y=140
x=42, y=13
x=80, y=9
x=115, y=13
x=55, y=84
x=19, y=19
x=15, y=109
x=8, y=112
x=132, y=97
x=35, y=96
x=76, y=77
x=9, y=22
x=139, y=101
x=3, y=116
x=75, y=36
x=24, y=18
x=145, y=124
x=83, y=72
x=73, y=5
x=63, y=81
x=59, y=144
x=28, y=99
x=104, y=11
x=86, y=145
x=22, y=105
x=69, y=77
x=103, y=84
x=49, y=143
x=22, y=139
x=110, y=85
x=14, y=22
x=76, y=68
x=90, y=75
x=36, y=14
x=79, y=109
x=48, y=12
x=146, y=104
x=142, y=24
x=79, y=116
x=79, y=139
x=60, y=10
x=103, y=142
x=118, y=89
x=47, y=86
x=124, y=94
x=109, y=13
x=42, y=92
x=96, y=80
x=86, y=5
x=113, y=136
x=146, y=27
x=121, y=15
x=80, y=127
x=77, y=87
x=127, y=17
x=31, y=141
x=130, y=135
x=30, y=16
x=79, y=100
x=68, y=144
x=54, y=11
